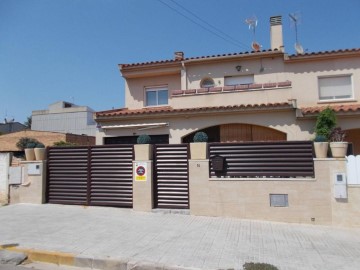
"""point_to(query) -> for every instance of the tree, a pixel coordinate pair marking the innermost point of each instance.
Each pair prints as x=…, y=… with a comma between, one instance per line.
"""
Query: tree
x=28, y=122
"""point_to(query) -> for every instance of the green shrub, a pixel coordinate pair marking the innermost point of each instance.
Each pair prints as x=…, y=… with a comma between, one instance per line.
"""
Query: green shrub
x=40, y=145
x=64, y=144
x=320, y=138
x=143, y=139
x=325, y=123
x=259, y=266
x=200, y=137
x=26, y=142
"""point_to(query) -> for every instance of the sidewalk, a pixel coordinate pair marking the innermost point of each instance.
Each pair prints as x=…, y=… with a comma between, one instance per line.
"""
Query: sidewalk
x=112, y=238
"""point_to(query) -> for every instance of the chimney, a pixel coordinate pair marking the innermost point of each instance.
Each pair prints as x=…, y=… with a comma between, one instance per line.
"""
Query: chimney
x=179, y=56
x=276, y=37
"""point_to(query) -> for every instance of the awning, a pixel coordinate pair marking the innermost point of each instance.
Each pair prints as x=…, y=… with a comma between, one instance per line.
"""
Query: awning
x=139, y=126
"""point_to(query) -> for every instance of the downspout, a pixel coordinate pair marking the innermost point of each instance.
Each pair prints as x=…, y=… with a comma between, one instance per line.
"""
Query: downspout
x=184, y=82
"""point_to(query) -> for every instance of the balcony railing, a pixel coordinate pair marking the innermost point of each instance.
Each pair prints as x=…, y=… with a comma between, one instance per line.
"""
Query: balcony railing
x=233, y=88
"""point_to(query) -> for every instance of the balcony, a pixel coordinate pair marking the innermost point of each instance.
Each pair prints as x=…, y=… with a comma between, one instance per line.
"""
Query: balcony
x=234, y=88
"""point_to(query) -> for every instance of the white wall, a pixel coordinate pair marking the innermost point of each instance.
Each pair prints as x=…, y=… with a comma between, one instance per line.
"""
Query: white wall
x=4, y=182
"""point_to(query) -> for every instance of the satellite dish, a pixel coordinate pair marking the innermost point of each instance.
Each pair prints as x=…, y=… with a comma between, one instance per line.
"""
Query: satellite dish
x=298, y=48
x=255, y=46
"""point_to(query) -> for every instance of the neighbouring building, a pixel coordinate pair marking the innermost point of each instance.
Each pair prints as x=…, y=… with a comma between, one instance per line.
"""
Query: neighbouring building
x=249, y=96
x=65, y=117
x=9, y=127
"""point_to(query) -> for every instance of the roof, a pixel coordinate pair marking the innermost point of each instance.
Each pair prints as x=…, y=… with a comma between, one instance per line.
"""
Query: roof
x=344, y=108
x=340, y=52
x=48, y=138
x=199, y=58
x=332, y=53
x=169, y=110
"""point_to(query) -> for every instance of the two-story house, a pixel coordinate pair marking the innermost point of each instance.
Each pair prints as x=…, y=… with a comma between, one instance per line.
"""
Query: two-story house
x=250, y=96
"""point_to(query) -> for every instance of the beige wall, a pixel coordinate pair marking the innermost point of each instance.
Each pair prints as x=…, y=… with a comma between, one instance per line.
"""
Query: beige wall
x=179, y=127
x=33, y=188
x=243, y=198
x=346, y=212
x=303, y=75
x=135, y=99
x=233, y=98
x=273, y=71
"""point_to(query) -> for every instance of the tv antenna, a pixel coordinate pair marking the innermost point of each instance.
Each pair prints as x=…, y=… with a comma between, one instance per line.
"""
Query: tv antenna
x=295, y=20
x=252, y=23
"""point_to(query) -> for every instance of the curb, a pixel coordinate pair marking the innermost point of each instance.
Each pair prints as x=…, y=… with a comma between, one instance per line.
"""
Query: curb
x=69, y=259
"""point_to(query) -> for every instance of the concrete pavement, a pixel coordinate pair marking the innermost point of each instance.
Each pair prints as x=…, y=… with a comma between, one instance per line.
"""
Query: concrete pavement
x=113, y=238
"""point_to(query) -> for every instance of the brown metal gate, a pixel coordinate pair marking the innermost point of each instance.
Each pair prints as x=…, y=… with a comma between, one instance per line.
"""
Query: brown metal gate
x=171, y=185
x=94, y=175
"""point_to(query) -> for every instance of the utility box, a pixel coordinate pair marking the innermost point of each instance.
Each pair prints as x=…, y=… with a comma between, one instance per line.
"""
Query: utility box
x=340, y=191
x=15, y=175
x=34, y=169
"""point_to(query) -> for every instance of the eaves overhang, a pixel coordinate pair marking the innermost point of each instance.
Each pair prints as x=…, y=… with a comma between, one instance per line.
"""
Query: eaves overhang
x=323, y=55
x=165, y=67
x=169, y=112
x=343, y=110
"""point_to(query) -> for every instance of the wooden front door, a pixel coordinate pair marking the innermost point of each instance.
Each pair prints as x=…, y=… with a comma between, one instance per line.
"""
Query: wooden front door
x=247, y=132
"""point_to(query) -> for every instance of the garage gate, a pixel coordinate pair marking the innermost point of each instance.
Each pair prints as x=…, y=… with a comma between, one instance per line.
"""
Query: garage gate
x=94, y=175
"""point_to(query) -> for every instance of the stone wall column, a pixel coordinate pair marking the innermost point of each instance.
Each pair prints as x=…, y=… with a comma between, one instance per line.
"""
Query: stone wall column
x=143, y=178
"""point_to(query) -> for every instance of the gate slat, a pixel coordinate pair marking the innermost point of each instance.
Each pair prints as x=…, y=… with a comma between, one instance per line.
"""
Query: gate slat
x=96, y=175
x=171, y=176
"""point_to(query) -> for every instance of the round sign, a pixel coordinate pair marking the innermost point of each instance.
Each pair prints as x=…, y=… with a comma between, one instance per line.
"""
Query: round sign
x=140, y=170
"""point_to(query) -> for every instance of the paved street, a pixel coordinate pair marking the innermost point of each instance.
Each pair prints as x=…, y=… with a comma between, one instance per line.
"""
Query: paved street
x=92, y=233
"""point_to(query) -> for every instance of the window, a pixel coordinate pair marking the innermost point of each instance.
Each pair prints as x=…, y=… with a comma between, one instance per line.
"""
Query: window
x=332, y=88
x=236, y=80
x=207, y=82
x=156, y=96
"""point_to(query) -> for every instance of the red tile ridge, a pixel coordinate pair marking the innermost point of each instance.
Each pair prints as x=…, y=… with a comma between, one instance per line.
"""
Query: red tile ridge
x=336, y=108
x=325, y=52
x=195, y=58
x=168, y=109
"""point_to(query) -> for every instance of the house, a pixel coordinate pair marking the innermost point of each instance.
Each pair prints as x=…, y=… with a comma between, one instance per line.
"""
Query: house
x=65, y=117
x=11, y=126
x=262, y=95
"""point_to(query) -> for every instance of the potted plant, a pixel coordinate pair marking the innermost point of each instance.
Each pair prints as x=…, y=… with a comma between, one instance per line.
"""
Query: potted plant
x=143, y=148
x=337, y=145
x=39, y=151
x=198, y=148
x=29, y=151
x=321, y=146
x=325, y=123
x=27, y=145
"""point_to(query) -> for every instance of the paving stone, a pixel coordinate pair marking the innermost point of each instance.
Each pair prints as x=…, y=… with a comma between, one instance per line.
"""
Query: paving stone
x=115, y=238
x=10, y=257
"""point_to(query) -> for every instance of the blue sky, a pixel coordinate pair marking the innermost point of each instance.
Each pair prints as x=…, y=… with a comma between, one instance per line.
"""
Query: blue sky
x=52, y=50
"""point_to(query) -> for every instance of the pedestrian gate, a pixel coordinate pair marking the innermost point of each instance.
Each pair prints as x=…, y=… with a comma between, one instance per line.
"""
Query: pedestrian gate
x=94, y=175
x=171, y=185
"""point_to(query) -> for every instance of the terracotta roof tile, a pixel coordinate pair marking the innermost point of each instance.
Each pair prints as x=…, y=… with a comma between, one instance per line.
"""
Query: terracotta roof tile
x=293, y=56
x=336, y=108
x=325, y=53
x=194, y=58
x=167, y=109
